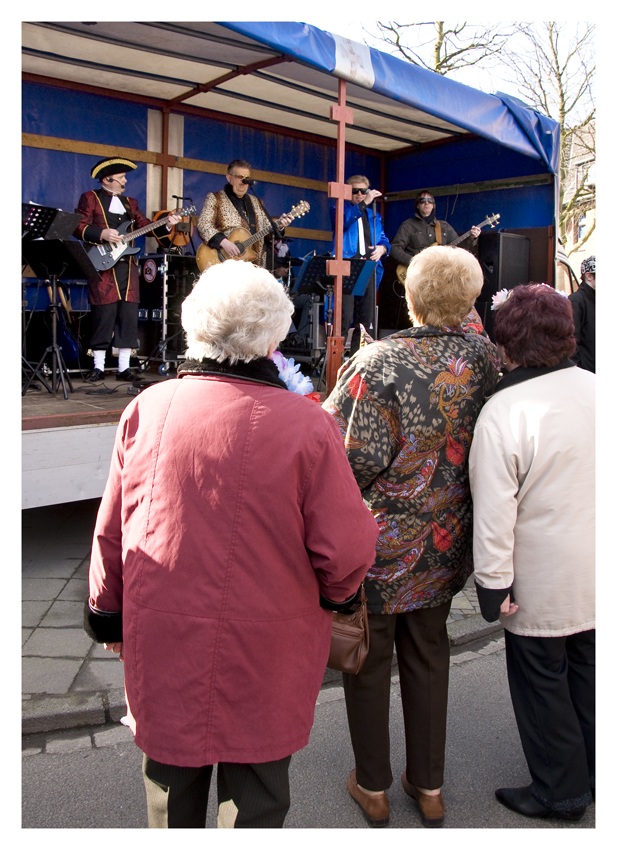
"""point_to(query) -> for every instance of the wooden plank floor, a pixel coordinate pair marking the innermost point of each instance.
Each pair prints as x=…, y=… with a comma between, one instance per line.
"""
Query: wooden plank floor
x=84, y=406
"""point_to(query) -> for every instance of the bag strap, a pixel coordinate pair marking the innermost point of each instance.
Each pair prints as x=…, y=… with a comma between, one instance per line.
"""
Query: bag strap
x=438, y=231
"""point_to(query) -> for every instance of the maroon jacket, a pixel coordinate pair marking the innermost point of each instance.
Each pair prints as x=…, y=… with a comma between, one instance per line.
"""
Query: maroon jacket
x=230, y=507
x=95, y=217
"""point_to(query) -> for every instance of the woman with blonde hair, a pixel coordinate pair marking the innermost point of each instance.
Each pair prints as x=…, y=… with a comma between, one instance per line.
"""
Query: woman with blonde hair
x=230, y=523
x=407, y=407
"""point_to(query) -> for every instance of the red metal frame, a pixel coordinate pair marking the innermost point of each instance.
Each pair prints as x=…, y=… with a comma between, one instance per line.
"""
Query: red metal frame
x=338, y=267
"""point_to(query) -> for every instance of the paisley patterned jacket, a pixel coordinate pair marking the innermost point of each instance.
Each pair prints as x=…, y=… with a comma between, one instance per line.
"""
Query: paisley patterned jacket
x=407, y=406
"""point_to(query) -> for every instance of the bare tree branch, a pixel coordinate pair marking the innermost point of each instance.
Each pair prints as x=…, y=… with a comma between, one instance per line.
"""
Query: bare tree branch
x=556, y=75
x=445, y=49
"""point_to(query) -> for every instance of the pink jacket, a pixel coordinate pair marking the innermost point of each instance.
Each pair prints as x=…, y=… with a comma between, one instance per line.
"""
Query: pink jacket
x=230, y=507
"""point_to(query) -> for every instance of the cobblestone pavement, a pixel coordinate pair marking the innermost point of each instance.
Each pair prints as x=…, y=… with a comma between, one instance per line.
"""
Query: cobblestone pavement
x=95, y=737
x=67, y=680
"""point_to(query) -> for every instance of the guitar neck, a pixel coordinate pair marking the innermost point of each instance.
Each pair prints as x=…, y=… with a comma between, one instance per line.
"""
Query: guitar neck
x=259, y=235
x=461, y=238
x=135, y=234
x=465, y=235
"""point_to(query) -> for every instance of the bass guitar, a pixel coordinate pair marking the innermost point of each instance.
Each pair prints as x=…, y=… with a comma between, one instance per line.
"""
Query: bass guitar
x=243, y=239
x=401, y=270
x=106, y=255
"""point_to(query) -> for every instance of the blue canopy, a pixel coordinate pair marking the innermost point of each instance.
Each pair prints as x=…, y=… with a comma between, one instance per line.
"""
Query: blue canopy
x=498, y=118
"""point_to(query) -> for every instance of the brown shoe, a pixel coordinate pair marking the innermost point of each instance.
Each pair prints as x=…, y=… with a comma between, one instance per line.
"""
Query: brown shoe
x=376, y=809
x=431, y=806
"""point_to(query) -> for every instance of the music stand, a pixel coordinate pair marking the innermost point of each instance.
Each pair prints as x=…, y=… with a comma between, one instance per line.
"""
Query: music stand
x=313, y=272
x=51, y=259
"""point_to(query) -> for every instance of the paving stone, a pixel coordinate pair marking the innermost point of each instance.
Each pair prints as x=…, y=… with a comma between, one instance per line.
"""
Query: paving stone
x=69, y=742
x=45, y=566
x=493, y=646
x=35, y=589
x=99, y=653
x=83, y=570
x=461, y=602
x=25, y=634
x=49, y=675
x=33, y=612
x=111, y=737
x=330, y=695
x=100, y=675
x=49, y=713
x=464, y=656
x=471, y=628
x=64, y=614
x=116, y=704
x=76, y=590
x=57, y=643
x=32, y=751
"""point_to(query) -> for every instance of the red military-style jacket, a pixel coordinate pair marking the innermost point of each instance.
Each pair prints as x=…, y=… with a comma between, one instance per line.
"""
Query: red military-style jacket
x=95, y=217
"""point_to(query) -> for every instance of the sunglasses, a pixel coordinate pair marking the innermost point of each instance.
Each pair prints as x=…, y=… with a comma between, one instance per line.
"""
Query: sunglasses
x=426, y=201
x=359, y=191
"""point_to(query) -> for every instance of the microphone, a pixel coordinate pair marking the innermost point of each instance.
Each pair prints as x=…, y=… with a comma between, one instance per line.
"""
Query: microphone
x=249, y=181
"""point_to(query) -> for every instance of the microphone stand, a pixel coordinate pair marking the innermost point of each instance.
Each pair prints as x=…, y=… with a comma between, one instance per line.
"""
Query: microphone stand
x=276, y=233
x=374, y=273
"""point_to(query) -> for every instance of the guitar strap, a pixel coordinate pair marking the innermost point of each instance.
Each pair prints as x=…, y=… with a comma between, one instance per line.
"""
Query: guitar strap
x=438, y=232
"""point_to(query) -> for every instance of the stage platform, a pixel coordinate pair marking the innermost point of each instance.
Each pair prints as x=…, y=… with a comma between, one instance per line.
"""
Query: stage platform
x=84, y=406
x=67, y=443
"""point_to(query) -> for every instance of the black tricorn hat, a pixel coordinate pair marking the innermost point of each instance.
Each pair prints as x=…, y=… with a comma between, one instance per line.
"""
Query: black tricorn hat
x=113, y=165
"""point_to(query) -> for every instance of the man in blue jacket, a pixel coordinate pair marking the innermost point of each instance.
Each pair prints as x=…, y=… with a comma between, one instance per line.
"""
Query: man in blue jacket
x=363, y=237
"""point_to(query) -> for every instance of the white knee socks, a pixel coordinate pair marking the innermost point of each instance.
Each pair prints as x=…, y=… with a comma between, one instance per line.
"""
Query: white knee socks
x=124, y=358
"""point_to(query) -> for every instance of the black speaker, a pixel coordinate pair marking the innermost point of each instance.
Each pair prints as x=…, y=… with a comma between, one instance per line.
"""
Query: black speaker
x=504, y=258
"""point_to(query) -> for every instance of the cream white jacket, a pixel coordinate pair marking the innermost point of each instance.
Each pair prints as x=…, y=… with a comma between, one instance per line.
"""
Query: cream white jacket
x=532, y=475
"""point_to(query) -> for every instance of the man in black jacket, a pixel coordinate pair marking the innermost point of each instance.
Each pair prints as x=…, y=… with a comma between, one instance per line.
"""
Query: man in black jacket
x=425, y=229
x=584, y=313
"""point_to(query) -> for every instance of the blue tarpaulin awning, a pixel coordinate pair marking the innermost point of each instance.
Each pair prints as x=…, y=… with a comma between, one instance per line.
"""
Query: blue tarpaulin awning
x=284, y=74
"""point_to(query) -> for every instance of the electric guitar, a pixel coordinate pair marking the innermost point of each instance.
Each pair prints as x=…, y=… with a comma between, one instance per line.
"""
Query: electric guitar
x=243, y=239
x=401, y=270
x=106, y=255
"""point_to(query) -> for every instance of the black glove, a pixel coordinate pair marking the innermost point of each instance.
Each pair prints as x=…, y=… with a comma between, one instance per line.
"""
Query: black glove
x=347, y=606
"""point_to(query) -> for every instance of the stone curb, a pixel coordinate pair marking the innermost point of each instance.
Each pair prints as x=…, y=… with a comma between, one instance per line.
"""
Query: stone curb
x=59, y=713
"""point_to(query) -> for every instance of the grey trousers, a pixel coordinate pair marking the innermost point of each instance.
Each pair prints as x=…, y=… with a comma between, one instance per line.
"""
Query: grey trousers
x=177, y=797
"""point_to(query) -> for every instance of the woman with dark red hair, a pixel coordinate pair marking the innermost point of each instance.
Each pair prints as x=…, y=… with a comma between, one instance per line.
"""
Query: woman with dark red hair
x=531, y=469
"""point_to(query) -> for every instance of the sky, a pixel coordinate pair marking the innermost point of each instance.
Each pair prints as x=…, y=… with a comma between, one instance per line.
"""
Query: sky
x=365, y=31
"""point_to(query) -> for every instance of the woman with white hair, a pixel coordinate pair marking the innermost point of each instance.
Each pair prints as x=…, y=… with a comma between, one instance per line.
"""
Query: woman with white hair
x=407, y=406
x=230, y=523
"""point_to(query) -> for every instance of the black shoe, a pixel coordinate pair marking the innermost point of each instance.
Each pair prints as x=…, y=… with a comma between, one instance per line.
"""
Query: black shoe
x=94, y=377
x=294, y=341
x=127, y=375
x=520, y=800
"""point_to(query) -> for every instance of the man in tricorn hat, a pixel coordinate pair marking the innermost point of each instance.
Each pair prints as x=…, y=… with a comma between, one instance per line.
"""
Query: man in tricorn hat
x=114, y=300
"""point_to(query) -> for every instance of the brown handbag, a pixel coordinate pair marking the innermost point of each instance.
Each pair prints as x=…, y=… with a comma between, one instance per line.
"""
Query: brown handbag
x=350, y=639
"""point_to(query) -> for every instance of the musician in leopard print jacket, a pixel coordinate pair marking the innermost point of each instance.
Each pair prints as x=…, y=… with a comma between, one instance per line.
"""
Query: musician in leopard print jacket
x=231, y=208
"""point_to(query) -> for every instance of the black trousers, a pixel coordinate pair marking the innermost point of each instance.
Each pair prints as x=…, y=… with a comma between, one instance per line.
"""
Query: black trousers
x=423, y=654
x=177, y=797
x=552, y=685
x=117, y=321
x=357, y=310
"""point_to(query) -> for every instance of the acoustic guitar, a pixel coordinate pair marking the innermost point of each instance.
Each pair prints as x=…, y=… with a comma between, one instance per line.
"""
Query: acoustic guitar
x=244, y=240
x=106, y=255
x=401, y=270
